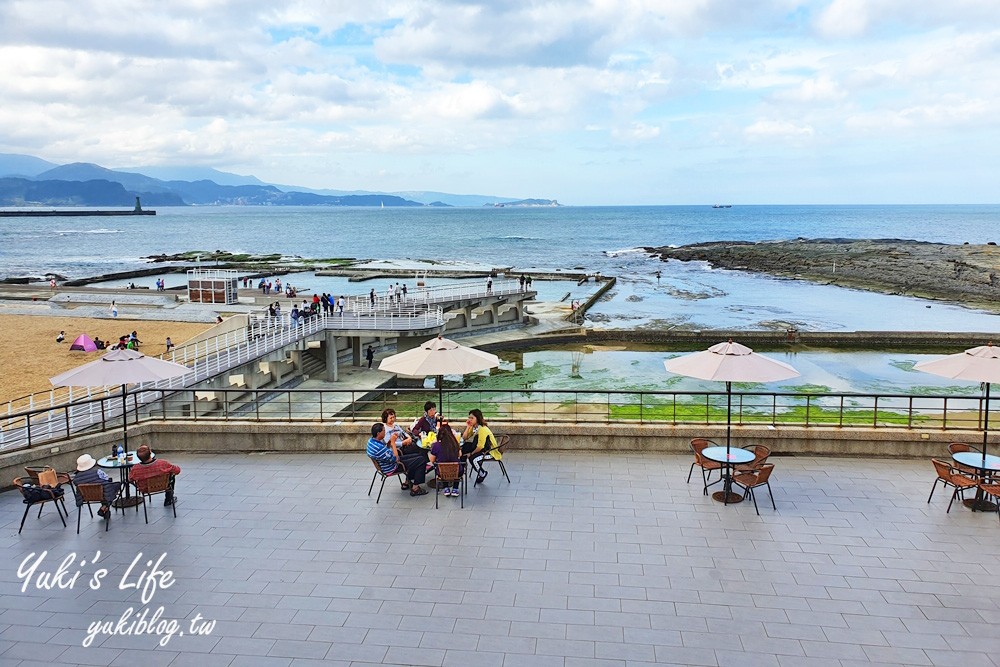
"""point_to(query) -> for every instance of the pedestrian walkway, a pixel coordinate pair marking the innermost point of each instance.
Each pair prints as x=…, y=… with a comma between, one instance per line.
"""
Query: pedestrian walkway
x=583, y=560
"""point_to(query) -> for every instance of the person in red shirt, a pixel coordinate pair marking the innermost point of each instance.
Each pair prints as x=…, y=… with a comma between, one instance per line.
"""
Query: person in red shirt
x=150, y=467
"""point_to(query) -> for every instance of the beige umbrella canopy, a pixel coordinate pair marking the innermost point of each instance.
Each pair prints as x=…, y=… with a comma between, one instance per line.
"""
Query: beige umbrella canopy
x=977, y=364
x=439, y=356
x=120, y=367
x=730, y=362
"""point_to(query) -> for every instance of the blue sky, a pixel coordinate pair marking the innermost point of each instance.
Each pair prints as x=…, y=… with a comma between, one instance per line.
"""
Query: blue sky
x=599, y=102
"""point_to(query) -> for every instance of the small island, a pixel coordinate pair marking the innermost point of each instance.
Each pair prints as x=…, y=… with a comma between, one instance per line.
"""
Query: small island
x=967, y=274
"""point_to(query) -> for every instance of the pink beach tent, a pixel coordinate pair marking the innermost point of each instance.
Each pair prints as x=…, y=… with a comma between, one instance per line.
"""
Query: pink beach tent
x=84, y=344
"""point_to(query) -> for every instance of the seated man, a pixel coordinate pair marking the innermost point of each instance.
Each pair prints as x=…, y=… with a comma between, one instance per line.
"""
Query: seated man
x=150, y=467
x=386, y=455
x=87, y=472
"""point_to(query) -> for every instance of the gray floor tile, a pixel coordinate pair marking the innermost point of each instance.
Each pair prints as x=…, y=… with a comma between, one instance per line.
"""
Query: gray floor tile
x=852, y=568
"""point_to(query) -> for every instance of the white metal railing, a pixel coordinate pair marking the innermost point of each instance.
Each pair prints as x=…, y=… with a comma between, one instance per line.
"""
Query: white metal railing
x=206, y=359
x=414, y=312
x=428, y=296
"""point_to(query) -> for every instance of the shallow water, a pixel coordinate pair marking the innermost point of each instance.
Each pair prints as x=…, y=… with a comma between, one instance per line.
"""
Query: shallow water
x=622, y=368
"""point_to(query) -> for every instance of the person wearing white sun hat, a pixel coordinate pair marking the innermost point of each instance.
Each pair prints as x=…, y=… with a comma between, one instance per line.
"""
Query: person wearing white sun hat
x=87, y=472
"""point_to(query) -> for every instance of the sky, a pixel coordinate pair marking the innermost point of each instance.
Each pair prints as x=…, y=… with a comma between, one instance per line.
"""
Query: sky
x=591, y=102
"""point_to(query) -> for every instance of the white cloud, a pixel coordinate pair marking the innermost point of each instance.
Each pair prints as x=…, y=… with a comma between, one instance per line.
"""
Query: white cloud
x=636, y=133
x=844, y=18
x=819, y=89
x=948, y=113
x=782, y=130
x=300, y=86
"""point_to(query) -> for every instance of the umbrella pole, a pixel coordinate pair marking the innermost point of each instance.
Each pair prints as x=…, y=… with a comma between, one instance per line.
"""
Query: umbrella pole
x=440, y=381
x=124, y=419
x=729, y=414
x=986, y=422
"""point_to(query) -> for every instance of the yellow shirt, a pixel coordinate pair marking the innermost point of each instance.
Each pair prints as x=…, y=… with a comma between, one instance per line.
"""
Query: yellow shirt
x=482, y=433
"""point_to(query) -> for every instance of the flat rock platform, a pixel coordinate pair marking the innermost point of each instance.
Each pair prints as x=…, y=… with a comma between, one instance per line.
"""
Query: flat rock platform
x=589, y=560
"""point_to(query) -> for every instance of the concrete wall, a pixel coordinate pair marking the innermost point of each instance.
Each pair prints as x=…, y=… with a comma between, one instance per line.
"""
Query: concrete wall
x=233, y=437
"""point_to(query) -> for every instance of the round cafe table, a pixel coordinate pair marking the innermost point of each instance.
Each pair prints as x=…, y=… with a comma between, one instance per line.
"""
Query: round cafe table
x=987, y=468
x=111, y=463
x=728, y=457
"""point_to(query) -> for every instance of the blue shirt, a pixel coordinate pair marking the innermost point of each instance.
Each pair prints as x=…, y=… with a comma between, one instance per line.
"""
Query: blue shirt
x=382, y=454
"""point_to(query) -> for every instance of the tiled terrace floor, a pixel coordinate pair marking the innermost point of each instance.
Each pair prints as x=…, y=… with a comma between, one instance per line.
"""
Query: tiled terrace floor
x=587, y=560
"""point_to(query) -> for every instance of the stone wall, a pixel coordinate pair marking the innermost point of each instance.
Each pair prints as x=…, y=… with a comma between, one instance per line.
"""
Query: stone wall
x=278, y=437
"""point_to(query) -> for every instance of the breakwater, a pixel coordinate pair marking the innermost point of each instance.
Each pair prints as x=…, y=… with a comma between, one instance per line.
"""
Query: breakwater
x=69, y=213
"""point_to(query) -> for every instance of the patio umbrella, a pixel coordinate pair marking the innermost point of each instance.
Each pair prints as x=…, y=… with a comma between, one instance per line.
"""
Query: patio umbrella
x=730, y=362
x=977, y=364
x=439, y=356
x=122, y=367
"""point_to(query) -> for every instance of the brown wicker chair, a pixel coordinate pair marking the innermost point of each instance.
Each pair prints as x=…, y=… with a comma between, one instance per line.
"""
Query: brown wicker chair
x=951, y=476
x=698, y=445
x=760, y=454
x=992, y=490
x=151, y=486
x=958, y=448
x=450, y=473
x=399, y=474
x=751, y=480
x=58, y=497
x=89, y=494
x=34, y=471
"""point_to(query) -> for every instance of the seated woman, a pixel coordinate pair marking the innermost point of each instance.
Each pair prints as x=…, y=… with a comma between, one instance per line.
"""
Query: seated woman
x=87, y=473
x=428, y=423
x=411, y=455
x=478, y=441
x=446, y=450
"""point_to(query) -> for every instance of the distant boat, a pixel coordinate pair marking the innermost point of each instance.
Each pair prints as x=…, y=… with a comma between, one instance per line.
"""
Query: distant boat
x=722, y=206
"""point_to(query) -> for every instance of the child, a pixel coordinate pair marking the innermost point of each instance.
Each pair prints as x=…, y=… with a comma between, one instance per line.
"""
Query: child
x=445, y=450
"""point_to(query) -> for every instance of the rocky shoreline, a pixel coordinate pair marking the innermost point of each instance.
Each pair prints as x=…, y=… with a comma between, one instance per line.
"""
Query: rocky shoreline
x=966, y=274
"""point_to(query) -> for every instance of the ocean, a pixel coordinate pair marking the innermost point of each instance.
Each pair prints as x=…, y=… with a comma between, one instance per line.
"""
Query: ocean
x=605, y=239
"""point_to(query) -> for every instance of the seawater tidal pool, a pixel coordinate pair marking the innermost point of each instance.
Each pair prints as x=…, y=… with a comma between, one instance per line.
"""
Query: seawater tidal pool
x=611, y=367
x=607, y=382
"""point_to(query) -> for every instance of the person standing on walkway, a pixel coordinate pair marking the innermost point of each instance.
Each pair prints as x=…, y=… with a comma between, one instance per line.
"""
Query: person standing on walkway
x=489, y=284
x=114, y=309
x=370, y=356
x=371, y=298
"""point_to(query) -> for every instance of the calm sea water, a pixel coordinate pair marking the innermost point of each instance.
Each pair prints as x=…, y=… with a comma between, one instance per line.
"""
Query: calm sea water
x=600, y=239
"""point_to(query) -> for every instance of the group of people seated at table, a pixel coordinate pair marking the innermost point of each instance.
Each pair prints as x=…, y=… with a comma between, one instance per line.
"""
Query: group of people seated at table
x=430, y=440
x=149, y=465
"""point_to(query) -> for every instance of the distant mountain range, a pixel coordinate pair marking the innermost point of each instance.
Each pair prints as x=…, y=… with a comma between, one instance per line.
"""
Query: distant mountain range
x=30, y=181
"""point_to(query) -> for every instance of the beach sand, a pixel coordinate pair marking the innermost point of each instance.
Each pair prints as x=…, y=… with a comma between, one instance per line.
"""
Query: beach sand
x=30, y=355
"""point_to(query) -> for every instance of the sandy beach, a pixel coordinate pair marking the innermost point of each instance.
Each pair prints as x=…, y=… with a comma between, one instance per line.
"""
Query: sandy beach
x=30, y=355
